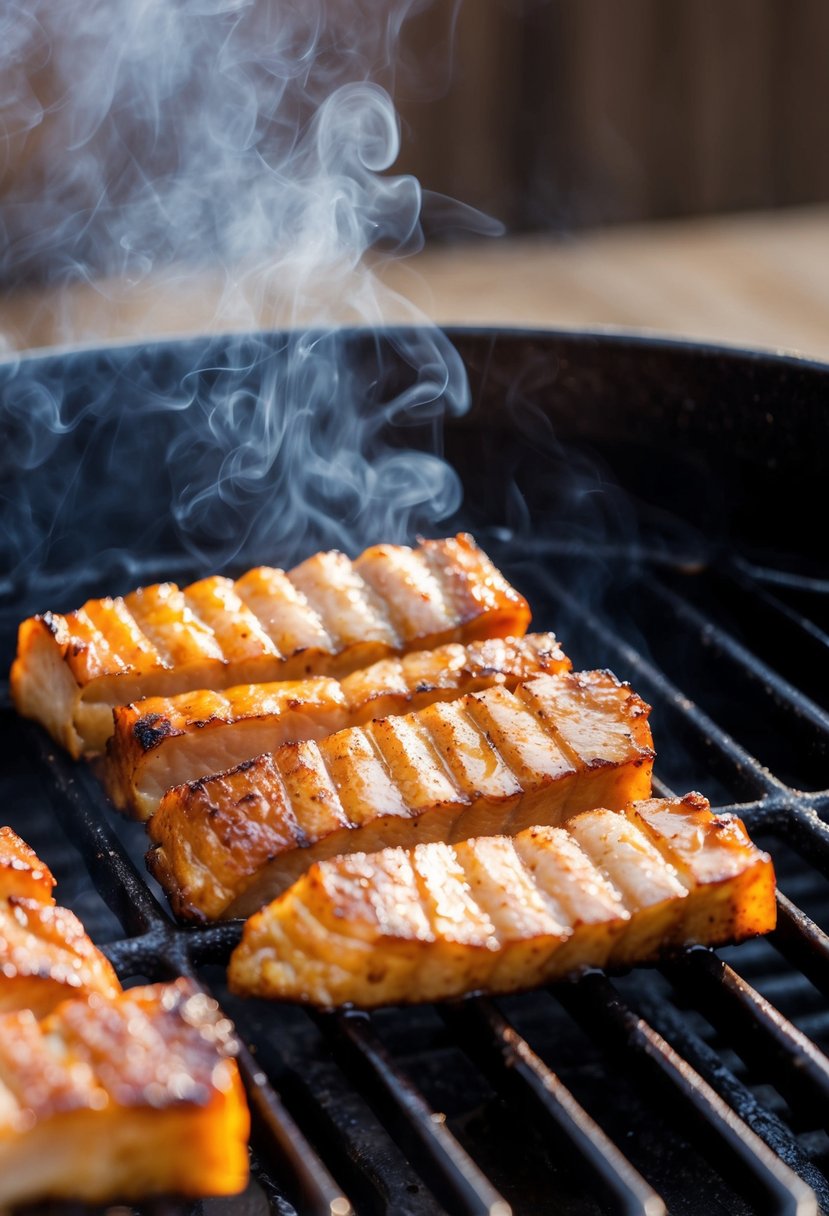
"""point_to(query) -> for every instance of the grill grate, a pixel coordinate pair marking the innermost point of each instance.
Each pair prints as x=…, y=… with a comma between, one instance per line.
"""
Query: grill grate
x=356, y=1113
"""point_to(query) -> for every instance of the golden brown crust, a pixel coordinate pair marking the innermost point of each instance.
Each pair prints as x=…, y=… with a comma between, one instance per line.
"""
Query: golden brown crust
x=161, y=742
x=403, y=685
x=164, y=741
x=502, y=914
x=161, y=640
x=22, y=873
x=476, y=588
x=490, y=761
x=244, y=819
x=144, y=1076
x=46, y=956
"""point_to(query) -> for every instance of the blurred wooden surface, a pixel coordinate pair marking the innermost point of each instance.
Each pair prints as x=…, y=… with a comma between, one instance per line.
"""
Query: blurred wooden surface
x=757, y=280
x=120, y=152
x=568, y=114
x=754, y=280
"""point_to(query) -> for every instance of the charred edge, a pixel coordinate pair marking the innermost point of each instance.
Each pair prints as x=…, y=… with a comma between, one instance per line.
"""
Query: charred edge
x=697, y=802
x=158, y=865
x=150, y=730
x=200, y=785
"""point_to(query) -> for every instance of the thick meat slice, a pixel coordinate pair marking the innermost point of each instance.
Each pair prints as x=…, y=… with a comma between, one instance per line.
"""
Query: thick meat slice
x=502, y=914
x=45, y=957
x=165, y=741
x=22, y=873
x=70, y=671
x=120, y=1099
x=490, y=761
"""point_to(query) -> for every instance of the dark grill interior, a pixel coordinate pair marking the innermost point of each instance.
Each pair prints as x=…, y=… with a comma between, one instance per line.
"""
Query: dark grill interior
x=700, y=1086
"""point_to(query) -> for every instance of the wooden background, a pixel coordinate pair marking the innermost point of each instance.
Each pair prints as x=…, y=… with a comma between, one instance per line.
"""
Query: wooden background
x=566, y=114
x=659, y=164
x=551, y=115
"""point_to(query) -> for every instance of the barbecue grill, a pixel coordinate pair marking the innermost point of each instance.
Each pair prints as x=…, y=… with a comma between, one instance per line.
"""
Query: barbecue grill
x=655, y=501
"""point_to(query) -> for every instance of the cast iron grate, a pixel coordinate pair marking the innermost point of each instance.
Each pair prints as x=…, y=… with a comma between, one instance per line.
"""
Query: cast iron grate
x=682, y=1088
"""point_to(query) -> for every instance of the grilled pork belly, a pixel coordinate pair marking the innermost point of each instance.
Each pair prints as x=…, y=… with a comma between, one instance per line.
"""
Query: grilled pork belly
x=166, y=741
x=22, y=873
x=502, y=914
x=120, y=1099
x=45, y=955
x=328, y=616
x=493, y=761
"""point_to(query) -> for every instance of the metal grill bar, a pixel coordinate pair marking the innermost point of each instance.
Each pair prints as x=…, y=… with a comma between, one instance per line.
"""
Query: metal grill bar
x=759, y=1033
x=741, y=1155
x=770, y=576
x=674, y=1027
x=755, y=582
x=802, y=942
x=752, y=668
x=734, y=760
x=772, y=814
x=354, y=1144
x=501, y=1052
x=422, y=1132
x=318, y=1193
x=803, y=828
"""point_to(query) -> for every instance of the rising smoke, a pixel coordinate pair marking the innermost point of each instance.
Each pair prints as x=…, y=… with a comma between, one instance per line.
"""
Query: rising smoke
x=145, y=138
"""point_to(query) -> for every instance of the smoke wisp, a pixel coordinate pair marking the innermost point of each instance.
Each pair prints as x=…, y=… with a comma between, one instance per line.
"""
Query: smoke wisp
x=145, y=139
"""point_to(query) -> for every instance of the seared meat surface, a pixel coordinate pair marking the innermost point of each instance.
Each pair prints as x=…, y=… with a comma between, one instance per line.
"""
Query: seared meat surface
x=328, y=616
x=119, y=1098
x=45, y=954
x=165, y=741
x=22, y=873
x=501, y=914
x=493, y=761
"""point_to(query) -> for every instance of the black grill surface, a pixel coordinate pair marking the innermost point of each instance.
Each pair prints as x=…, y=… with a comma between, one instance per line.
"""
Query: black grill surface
x=700, y=1086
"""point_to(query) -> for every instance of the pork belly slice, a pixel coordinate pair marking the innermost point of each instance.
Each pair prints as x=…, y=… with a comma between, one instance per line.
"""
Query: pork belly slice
x=328, y=616
x=500, y=914
x=46, y=957
x=22, y=873
x=492, y=761
x=120, y=1099
x=166, y=741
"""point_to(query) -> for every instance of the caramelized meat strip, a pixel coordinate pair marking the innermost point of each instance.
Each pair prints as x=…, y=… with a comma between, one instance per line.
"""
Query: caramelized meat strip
x=165, y=741
x=490, y=761
x=22, y=873
x=45, y=955
x=119, y=1099
x=501, y=914
x=329, y=616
